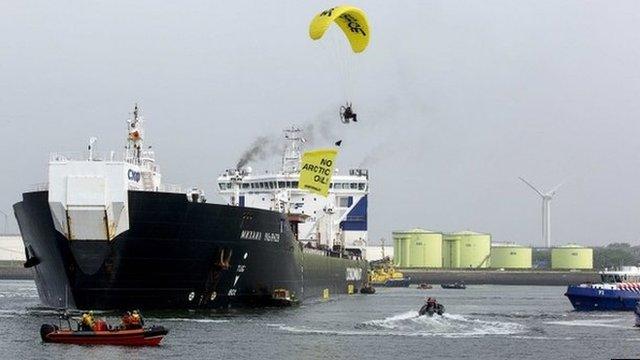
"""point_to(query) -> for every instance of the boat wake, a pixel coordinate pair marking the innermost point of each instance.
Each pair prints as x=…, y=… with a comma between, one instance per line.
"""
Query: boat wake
x=518, y=315
x=449, y=325
x=410, y=324
x=608, y=323
x=189, y=320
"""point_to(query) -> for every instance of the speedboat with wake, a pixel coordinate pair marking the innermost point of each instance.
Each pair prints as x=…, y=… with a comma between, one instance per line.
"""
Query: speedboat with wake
x=431, y=307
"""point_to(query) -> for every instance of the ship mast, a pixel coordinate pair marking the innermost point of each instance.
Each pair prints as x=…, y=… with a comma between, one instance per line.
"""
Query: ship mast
x=135, y=136
x=292, y=153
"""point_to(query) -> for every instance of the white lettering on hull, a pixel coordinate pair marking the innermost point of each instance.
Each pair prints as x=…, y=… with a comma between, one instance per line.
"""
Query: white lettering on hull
x=259, y=236
x=354, y=274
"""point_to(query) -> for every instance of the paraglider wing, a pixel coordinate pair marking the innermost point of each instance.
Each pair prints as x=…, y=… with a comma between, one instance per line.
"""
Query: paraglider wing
x=350, y=19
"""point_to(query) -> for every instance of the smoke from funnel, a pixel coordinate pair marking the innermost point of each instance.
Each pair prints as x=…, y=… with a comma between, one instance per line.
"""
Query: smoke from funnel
x=257, y=151
x=322, y=129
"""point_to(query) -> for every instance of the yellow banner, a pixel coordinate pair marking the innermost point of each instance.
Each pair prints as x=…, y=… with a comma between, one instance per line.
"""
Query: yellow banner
x=317, y=169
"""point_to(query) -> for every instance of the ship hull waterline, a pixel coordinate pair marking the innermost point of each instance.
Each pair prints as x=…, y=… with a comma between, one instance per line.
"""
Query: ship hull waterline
x=591, y=299
x=178, y=254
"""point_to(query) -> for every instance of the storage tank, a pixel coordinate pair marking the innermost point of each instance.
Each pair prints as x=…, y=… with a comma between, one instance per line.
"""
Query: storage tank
x=450, y=252
x=510, y=256
x=417, y=248
x=571, y=256
x=467, y=249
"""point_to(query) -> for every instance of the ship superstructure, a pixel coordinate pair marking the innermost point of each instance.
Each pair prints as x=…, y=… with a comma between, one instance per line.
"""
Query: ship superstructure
x=88, y=192
x=337, y=222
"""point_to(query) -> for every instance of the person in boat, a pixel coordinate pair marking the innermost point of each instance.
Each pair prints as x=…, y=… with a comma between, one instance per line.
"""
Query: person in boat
x=87, y=321
x=132, y=320
x=431, y=302
x=348, y=114
x=125, y=320
x=136, y=318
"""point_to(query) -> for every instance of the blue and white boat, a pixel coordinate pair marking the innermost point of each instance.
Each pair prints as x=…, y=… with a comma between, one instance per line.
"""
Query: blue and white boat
x=619, y=290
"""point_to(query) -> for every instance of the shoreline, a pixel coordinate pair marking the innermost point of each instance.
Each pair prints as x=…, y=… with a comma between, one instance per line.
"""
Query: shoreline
x=13, y=270
x=497, y=277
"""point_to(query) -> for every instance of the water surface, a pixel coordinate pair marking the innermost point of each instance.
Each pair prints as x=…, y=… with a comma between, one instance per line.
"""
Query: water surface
x=482, y=322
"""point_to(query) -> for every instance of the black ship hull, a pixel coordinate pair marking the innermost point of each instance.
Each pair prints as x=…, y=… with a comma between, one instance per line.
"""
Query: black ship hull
x=178, y=254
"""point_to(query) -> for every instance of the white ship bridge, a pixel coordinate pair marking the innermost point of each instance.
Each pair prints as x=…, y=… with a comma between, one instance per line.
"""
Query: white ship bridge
x=338, y=221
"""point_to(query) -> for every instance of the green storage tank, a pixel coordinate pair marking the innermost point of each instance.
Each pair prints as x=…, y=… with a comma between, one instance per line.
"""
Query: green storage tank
x=572, y=256
x=510, y=256
x=466, y=249
x=417, y=248
x=450, y=252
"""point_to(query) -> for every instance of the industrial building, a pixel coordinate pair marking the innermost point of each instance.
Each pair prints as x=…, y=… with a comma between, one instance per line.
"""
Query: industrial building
x=379, y=252
x=417, y=248
x=510, y=256
x=571, y=257
x=466, y=250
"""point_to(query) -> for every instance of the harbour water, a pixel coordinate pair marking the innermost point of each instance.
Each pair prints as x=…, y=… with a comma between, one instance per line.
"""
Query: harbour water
x=482, y=322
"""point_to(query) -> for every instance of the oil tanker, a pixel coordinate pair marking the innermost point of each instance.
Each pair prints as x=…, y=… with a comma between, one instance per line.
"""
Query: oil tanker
x=106, y=233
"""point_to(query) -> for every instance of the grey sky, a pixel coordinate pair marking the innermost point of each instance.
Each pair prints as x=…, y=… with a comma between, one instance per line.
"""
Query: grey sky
x=456, y=99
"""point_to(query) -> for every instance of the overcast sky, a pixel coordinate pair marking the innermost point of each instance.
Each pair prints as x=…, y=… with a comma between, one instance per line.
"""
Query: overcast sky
x=455, y=99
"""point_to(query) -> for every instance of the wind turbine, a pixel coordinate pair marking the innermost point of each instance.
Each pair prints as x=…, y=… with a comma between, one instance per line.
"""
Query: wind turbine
x=546, y=209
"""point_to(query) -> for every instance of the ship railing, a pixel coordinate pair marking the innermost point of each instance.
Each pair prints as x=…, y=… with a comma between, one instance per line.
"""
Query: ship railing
x=359, y=172
x=314, y=251
x=38, y=187
x=84, y=156
x=146, y=161
x=171, y=188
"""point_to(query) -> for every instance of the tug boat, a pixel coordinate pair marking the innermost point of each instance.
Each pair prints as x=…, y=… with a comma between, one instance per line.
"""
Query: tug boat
x=619, y=290
x=387, y=276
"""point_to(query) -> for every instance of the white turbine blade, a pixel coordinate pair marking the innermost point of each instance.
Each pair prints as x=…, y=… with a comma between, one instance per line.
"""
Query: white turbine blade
x=554, y=189
x=531, y=186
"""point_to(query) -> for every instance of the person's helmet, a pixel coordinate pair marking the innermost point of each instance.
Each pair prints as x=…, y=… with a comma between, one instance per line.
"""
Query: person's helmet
x=91, y=312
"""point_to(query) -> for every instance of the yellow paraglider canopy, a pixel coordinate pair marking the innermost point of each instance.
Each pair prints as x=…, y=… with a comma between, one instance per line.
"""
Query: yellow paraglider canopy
x=351, y=20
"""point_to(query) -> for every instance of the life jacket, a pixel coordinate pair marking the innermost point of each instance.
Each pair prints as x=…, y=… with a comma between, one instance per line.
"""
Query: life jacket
x=100, y=325
x=87, y=320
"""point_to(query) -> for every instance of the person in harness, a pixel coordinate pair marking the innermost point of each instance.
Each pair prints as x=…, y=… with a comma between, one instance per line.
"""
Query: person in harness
x=347, y=115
